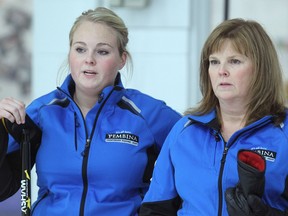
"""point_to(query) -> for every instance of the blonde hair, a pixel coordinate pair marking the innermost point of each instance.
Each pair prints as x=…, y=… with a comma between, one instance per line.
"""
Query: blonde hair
x=266, y=87
x=109, y=18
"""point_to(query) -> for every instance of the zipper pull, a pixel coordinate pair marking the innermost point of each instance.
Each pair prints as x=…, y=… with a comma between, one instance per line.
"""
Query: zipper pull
x=224, y=154
x=87, y=146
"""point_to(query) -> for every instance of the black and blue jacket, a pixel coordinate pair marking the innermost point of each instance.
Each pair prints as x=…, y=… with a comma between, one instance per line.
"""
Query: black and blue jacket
x=101, y=165
x=196, y=166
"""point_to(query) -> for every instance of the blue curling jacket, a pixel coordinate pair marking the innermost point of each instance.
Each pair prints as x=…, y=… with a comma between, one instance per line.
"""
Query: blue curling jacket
x=197, y=165
x=100, y=165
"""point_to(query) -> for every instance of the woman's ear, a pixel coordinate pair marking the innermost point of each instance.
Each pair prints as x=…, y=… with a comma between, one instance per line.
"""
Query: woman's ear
x=123, y=60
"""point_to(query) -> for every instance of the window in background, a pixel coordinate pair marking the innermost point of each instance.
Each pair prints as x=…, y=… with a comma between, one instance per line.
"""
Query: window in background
x=15, y=66
x=271, y=14
x=274, y=18
x=15, y=48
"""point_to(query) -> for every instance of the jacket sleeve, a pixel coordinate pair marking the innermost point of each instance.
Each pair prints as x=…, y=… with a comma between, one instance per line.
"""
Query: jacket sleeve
x=10, y=162
x=10, y=167
x=161, y=120
x=162, y=197
x=166, y=119
x=35, y=134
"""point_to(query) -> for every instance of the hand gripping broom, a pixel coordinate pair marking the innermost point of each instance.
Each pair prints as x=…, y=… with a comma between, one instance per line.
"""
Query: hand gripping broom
x=29, y=136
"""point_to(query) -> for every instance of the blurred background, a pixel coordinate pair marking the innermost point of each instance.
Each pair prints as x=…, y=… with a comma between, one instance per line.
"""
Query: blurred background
x=166, y=37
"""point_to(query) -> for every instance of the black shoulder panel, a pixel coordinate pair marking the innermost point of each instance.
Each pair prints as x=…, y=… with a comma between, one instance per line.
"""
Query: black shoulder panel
x=127, y=104
x=161, y=208
x=64, y=102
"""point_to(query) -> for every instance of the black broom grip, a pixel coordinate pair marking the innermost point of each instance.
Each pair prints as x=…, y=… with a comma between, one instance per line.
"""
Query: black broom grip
x=26, y=174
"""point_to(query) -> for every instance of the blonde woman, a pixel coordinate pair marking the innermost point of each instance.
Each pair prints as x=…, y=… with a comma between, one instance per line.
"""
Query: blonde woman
x=99, y=140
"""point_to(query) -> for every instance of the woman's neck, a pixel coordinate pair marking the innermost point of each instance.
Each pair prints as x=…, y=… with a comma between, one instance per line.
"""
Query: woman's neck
x=85, y=102
x=230, y=123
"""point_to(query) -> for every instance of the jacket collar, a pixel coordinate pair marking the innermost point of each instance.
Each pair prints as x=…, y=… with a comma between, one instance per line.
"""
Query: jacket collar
x=68, y=86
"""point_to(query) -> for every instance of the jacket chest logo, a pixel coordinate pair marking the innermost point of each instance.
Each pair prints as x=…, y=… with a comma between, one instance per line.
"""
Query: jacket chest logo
x=267, y=154
x=127, y=138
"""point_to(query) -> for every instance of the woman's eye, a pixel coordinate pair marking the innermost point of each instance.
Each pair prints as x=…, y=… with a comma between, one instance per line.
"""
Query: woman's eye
x=213, y=62
x=235, y=61
x=80, y=50
x=102, y=52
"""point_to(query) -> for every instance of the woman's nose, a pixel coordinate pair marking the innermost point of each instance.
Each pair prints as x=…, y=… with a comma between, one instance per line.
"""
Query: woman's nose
x=223, y=70
x=90, y=59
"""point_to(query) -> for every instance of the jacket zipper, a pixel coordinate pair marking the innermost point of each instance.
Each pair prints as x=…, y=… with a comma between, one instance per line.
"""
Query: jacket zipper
x=75, y=132
x=85, y=155
x=223, y=160
x=220, y=190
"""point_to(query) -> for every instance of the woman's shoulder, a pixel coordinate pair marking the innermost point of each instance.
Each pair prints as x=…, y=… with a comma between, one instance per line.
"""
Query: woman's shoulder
x=46, y=99
x=149, y=104
x=143, y=100
x=284, y=124
x=139, y=95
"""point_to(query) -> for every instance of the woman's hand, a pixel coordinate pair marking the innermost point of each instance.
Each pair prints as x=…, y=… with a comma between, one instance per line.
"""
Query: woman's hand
x=13, y=110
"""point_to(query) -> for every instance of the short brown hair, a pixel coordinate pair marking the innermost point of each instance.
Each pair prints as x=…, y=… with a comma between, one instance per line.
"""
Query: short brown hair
x=266, y=88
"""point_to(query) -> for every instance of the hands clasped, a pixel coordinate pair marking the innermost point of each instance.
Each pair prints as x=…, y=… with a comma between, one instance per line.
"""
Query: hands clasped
x=245, y=198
